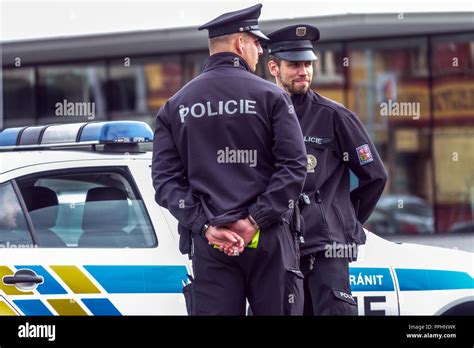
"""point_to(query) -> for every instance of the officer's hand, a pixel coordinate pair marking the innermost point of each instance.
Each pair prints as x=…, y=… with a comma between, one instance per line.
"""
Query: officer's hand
x=244, y=228
x=229, y=242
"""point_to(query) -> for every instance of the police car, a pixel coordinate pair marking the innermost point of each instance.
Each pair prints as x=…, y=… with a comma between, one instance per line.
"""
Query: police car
x=81, y=234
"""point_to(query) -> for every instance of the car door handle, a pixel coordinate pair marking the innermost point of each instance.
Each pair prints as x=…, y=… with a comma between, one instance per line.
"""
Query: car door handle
x=12, y=280
x=24, y=279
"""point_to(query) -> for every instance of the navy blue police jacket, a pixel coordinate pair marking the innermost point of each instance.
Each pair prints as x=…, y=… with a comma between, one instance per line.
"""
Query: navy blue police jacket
x=336, y=142
x=226, y=145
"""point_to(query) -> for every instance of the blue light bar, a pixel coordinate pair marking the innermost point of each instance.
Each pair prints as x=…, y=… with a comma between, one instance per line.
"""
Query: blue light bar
x=125, y=132
x=76, y=134
x=9, y=136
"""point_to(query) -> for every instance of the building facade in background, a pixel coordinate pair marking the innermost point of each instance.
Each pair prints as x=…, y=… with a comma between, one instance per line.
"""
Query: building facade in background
x=410, y=80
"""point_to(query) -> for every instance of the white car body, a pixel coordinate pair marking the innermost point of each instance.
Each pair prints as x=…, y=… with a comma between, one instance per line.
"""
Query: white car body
x=411, y=279
x=387, y=279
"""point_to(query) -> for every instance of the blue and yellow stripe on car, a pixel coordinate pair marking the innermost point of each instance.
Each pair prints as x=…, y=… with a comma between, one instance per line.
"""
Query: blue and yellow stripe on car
x=431, y=279
x=6, y=309
x=50, y=285
x=380, y=279
x=75, y=279
x=32, y=307
x=61, y=280
x=139, y=279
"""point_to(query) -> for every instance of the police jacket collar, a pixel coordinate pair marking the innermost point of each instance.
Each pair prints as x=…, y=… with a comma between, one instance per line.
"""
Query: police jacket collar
x=225, y=59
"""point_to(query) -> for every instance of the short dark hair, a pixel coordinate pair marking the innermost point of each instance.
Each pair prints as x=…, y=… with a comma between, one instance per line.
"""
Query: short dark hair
x=275, y=59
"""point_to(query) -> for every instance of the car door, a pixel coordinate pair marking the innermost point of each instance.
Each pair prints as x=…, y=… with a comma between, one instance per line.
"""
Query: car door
x=85, y=239
x=372, y=278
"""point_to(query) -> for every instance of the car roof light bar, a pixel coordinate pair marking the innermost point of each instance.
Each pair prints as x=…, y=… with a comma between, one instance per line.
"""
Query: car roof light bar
x=76, y=134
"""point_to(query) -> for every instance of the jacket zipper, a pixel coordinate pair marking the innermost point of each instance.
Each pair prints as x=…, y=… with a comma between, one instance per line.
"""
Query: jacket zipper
x=323, y=215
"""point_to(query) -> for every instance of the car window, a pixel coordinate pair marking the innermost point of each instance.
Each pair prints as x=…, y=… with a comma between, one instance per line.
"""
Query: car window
x=87, y=210
x=14, y=232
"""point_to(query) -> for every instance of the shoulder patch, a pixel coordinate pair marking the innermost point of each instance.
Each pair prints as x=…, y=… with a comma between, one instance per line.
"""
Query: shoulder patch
x=364, y=154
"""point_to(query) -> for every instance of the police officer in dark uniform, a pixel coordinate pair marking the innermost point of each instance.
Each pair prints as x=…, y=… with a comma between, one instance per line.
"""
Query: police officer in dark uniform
x=336, y=142
x=228, y=160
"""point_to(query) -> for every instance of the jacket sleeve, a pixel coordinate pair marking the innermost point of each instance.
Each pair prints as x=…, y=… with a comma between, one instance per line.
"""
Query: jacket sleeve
x=357, y=149
x=289, y=154
x=172, y=189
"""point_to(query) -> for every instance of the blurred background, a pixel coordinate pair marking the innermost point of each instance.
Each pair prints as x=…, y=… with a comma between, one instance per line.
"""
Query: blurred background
x=367, y=55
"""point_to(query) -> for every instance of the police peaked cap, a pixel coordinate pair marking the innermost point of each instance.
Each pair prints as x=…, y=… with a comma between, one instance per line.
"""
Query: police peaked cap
x=293, y=43
x=245, y=20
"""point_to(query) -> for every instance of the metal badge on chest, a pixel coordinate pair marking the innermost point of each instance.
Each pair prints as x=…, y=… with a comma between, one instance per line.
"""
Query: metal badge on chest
x=312, y=162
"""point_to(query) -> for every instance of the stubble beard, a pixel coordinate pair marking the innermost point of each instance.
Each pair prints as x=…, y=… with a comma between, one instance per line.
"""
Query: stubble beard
x=291, y=89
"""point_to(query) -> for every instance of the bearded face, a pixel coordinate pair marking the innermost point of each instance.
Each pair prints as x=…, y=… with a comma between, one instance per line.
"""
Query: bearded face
x=295, y=77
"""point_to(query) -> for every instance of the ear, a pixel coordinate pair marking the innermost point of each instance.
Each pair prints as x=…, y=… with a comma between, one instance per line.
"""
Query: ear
x=273, y=68
x=239, y=44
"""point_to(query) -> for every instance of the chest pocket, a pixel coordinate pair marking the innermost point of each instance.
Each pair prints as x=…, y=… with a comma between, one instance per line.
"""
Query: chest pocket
x=318, y=156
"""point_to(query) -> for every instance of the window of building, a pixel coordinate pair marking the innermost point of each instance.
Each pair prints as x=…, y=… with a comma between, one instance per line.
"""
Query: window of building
x=328, y=72
x=18, y=97
x=452, y=63
x=194, y=64
x=139, y=87
x=71, y=93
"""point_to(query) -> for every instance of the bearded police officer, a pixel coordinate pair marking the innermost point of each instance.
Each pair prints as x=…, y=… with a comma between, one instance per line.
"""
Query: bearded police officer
x=336, y=142
x=228, y=160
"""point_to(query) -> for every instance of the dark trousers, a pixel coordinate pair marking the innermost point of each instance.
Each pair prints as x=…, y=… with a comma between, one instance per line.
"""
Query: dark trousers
x=268, y=276
x=326, y=285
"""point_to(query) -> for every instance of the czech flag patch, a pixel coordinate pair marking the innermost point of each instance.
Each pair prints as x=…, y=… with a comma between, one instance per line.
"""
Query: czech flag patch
x=365, y=156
